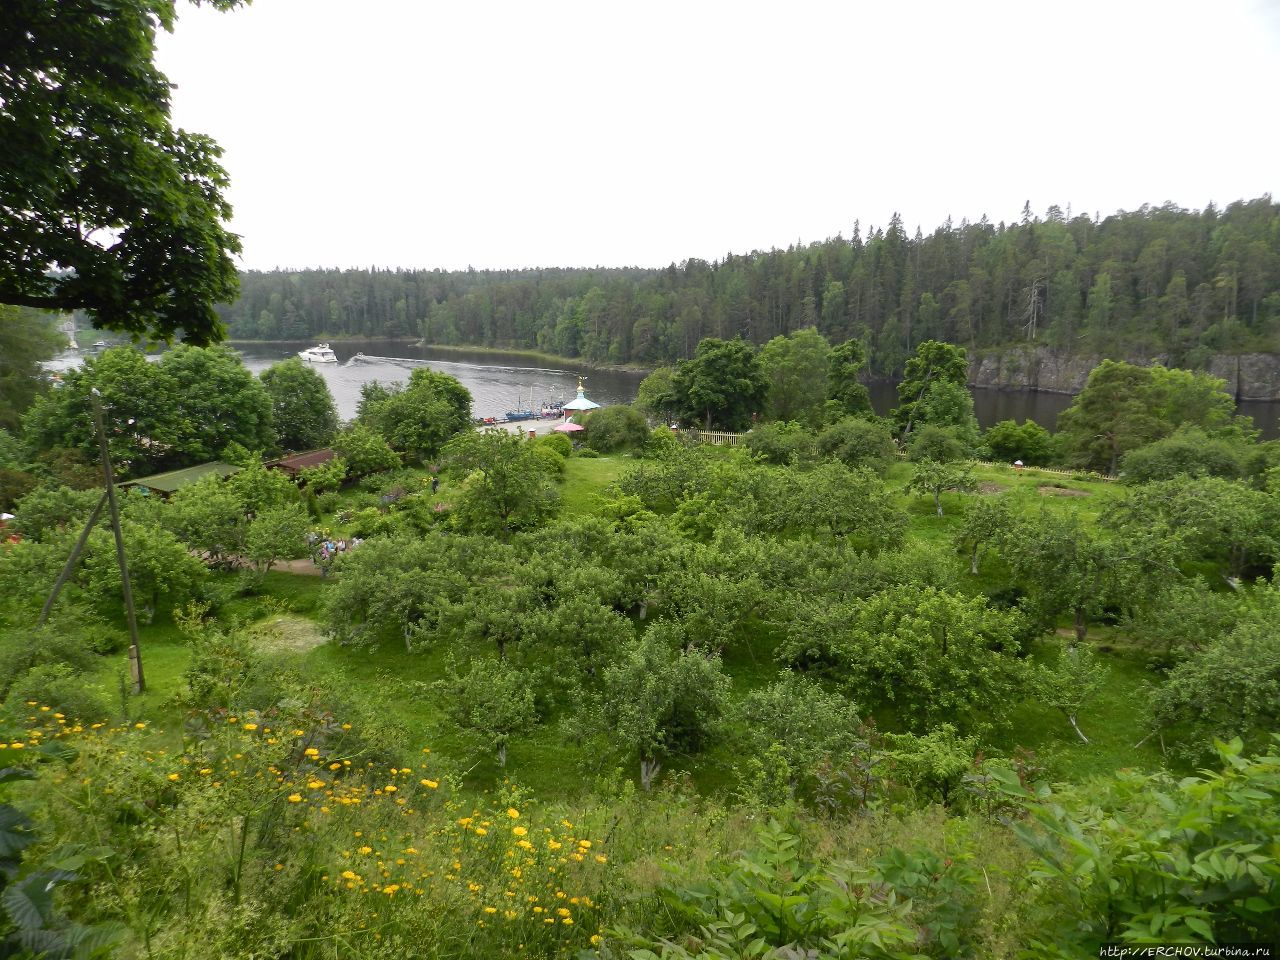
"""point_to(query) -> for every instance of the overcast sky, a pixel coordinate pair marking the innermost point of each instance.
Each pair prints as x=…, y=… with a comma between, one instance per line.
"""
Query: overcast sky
x=428, y=134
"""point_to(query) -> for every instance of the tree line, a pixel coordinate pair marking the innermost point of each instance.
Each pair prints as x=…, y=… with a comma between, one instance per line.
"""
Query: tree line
x=1153, y=281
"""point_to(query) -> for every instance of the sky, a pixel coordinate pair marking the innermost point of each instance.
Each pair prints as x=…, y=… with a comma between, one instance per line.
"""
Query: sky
x=422, y=133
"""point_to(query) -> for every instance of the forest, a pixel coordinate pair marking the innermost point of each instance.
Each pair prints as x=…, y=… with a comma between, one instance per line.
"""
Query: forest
x=1154, y=282
x=855, y=687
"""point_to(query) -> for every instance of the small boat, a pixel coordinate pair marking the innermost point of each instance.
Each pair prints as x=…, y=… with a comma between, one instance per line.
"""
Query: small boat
x=319, y=354
x=101, y=344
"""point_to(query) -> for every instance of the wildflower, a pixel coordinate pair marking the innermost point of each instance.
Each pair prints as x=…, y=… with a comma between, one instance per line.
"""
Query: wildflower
x=490, y=909
x=562, y=911
x=173, y=776
x=595, y=939
x=390, y=788
x=390, y=889
x=567, y=921
x=429, y=784
x=513, y=813
x=585, y=844
x=295, y=798
x=519, y=831
x=365, y=850
x=251, y=726
x=350, y=875
x=601, y=858
x=136, y=726
x=554, y=844
x=315, y=784
x=481, y=831
x=311, y=752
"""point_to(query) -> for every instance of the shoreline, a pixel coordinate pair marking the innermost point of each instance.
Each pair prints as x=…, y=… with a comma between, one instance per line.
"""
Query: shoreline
x=536, y=355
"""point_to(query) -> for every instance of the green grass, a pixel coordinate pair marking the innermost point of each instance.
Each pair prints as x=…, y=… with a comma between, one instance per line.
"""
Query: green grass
x=586, y=478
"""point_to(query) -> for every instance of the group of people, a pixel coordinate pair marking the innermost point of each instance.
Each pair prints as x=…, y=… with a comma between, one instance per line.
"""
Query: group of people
x=325, y=549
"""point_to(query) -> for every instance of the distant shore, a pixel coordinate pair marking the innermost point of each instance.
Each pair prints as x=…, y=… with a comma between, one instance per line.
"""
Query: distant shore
x=536, y=355
x=325, y=339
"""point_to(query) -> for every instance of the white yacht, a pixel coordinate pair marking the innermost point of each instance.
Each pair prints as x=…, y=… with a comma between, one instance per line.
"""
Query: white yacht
x=321, y=354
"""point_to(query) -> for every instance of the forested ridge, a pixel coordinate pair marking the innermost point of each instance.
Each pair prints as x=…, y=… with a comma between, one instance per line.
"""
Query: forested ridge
x=1157, y=281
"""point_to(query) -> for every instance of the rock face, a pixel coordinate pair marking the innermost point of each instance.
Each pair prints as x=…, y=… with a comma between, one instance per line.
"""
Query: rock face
x=1249, y=376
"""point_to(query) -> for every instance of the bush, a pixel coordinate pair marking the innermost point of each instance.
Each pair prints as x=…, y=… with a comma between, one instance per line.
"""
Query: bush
x=781, y=443
x=587, y=453
x=550, y=457
x=1190, y=452
x=616, y=428
x=1029, y=442
x=558, y=442
x=59, y=687
x=939, y=444
x=856, y=442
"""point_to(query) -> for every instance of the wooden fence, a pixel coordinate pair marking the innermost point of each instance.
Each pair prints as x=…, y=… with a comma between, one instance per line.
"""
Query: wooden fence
x=716, y=438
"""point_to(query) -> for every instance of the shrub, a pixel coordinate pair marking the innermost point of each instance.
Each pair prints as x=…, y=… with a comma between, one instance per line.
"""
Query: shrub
x=1189, y=452
x=558, y=442
x=781, y=443
x=615, y=428
x=551, y=458
x=857, y=442
x=939, y=444
x=60, y=687
x=1029, y=442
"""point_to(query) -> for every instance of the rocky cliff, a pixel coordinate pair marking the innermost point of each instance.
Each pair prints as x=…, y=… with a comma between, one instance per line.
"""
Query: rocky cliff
x=1249, y=376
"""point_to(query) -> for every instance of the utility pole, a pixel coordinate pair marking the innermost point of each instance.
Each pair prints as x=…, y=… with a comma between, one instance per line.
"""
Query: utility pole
x=108, y=500
x=135, y=649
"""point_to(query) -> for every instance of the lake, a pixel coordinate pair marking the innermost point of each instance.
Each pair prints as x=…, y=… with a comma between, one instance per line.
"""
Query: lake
x=500, y=382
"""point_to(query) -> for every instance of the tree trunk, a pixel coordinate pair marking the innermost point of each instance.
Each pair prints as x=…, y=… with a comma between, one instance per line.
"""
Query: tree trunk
x=1074, y=726
x=1082, y=625
x=973, y=562
x=648, y=771
x=937, y=501
x=502, y=754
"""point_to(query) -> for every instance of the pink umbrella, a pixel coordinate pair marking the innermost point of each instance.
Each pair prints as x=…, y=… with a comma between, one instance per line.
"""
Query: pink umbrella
x=569, y=427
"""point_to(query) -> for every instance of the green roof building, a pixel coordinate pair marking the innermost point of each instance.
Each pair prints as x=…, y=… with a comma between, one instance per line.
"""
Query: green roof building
x=164, y=484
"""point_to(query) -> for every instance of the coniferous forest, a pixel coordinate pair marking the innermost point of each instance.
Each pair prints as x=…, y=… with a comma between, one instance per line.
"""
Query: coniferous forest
x=1158, y=281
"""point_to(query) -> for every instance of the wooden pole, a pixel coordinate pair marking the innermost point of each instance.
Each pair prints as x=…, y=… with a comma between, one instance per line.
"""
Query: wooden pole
x=71, y=560
x=135, y=649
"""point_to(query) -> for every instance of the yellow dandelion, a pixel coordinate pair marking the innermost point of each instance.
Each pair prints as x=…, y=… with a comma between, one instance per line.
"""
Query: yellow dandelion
x=350, y=875
x=136, y=726
x=295, y=798
x=311, y=752
x=519, y=831
x=365, y=850
x=513, y=813
x=481, y=831
x=490, y=909
x=173, y=776
x=601, y=858
x=429, y=784
x=251, y=726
